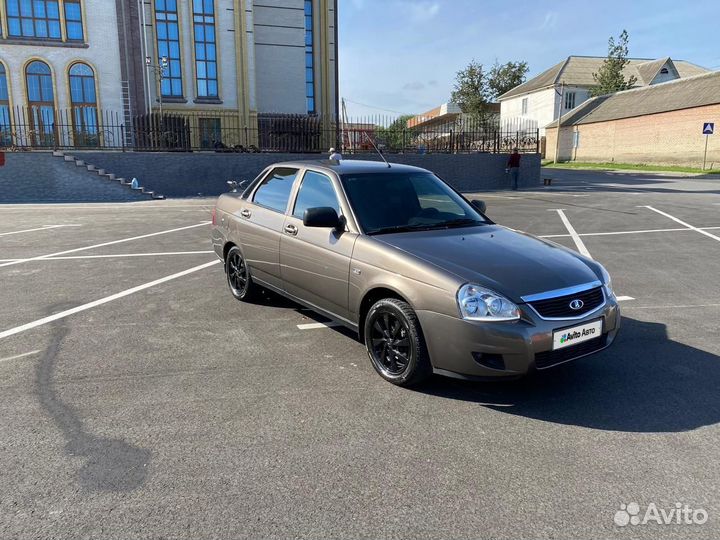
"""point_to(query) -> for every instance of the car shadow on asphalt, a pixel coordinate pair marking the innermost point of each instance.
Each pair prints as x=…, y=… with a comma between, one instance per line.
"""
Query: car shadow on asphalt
x=269, y=298
x=645, y=382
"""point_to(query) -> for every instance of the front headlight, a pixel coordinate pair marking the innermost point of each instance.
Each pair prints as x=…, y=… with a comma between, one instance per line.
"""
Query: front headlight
x=477, y=303
x=607, y=280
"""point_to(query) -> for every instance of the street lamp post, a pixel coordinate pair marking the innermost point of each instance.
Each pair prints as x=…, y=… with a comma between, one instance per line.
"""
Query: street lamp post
x=159, y=70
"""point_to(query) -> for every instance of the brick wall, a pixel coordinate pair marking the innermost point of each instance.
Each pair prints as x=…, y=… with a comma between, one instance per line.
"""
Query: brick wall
x=205, y=174
x=34, y=177
x=670, y=138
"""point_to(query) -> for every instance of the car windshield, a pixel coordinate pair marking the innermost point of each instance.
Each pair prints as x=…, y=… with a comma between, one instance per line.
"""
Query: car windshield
x=400, y=202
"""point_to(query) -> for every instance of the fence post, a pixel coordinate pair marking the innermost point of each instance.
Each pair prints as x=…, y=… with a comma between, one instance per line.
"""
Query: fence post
x=517, y=140
x=537, y=141
x=122, y=136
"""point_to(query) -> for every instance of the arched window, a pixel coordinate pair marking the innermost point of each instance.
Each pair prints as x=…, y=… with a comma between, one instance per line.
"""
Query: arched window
x=84, y=105
x=33, y=19
x=41, y=102
x=5, y=127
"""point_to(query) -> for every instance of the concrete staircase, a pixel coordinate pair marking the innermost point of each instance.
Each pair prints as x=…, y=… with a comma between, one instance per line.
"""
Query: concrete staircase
x=102, y=173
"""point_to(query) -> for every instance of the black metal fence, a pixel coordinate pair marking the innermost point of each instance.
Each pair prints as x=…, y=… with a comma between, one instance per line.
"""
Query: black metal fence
x=43, y=127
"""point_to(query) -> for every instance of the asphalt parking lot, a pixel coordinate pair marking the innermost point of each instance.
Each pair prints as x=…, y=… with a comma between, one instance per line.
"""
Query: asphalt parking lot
x=140, y=400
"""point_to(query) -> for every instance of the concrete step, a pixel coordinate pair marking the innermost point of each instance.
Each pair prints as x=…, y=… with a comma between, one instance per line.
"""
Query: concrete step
x=58, y=153
x=158, y=196
x=91, y=167
x=79, y=163
x=68, y=158
x=101, y=172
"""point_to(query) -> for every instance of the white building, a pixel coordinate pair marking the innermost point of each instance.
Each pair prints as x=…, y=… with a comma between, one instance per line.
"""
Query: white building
x=273, y=56
x=567, y=84
x=65, y=65
x=59, y=63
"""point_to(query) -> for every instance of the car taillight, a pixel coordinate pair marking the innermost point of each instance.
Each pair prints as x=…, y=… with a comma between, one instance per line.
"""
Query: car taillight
x=213, y=214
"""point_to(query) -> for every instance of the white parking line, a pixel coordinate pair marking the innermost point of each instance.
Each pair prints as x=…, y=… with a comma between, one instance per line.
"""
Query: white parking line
x=628, y=232
x=573, y=233
x=44, y=228
x=117, y=255
x=19, y=261
x=673, y=306
x=620, y=232
x=623, y=298
x=103, y=206
x=681, y=222
x=101, y=301
x=311, y=326
x=23, y=355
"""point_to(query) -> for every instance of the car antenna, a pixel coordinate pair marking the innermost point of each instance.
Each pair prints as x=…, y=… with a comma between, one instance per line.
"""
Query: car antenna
x=376, y=149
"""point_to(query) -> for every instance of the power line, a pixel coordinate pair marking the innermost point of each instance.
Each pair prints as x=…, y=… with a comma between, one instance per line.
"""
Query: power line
x=377, y=108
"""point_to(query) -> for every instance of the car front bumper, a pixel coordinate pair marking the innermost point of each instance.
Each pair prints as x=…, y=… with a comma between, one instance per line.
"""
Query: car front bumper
x=473, y=349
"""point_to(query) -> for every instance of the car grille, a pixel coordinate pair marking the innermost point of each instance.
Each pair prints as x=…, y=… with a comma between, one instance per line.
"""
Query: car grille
x=550, y=358
x=559, y=307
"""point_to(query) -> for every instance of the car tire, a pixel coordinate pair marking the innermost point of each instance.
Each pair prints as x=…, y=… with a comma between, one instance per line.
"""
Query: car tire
x=238, y=276
x=395, y=343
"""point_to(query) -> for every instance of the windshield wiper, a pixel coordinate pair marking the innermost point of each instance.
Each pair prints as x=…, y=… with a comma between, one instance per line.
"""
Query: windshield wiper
x=400, y=228
x=461, y=222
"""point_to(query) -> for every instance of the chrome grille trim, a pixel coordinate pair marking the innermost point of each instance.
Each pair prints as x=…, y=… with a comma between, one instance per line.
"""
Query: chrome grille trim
x=547, y=295
x=578, y=317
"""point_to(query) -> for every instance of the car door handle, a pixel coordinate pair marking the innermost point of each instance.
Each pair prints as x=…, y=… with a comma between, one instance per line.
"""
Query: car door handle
x=291, y=229
x=245, y=213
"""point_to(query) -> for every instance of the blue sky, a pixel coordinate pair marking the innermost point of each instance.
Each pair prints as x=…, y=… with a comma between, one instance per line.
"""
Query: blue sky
x=402, y=55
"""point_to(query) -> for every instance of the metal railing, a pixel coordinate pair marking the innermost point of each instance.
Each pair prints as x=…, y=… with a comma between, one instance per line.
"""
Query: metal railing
x=42, y=127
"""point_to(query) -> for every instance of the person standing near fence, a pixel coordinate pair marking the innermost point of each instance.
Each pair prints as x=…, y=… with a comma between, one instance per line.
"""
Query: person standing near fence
x=513, y=167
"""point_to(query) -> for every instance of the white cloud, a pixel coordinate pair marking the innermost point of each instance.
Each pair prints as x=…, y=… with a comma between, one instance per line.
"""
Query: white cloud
x=550, y=20
x=415, y=85
x=422, y=11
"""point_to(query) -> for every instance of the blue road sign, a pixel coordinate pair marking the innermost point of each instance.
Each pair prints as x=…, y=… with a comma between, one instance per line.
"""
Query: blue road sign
x=708, y=128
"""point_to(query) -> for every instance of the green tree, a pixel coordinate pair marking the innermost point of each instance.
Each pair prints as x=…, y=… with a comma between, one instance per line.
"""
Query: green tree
x=397, y=134
x=610, y=77
x=505, y=77
x=471, y=90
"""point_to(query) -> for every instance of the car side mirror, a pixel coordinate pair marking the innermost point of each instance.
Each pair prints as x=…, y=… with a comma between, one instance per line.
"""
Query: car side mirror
x=480, y=206
x=238, y=186
x=321, y=216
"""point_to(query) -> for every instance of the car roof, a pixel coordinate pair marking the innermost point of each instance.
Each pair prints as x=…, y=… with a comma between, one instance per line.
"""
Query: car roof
x=351, y=166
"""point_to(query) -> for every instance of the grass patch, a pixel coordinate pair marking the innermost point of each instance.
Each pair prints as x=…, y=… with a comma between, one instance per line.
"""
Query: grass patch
x=626, y=166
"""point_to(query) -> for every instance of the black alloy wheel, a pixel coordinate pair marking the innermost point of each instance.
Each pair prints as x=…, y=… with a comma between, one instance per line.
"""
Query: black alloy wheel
x=238, y=275
x=395, y=343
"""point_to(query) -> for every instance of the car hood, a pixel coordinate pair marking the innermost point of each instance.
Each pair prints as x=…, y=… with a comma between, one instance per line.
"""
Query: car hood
x=512, y=263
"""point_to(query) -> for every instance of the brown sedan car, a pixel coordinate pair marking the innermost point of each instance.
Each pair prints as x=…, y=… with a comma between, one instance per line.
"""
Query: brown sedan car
x=430, y=284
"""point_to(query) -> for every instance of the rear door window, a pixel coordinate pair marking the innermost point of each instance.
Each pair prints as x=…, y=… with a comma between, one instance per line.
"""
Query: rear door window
x=316, y=190
x=274, y=192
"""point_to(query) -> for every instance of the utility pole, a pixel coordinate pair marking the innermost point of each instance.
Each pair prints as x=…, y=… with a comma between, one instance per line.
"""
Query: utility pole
x=159, y=70
x=560, y=108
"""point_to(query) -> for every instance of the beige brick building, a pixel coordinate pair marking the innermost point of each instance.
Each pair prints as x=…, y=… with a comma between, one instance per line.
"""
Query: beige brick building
x=660, y=124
